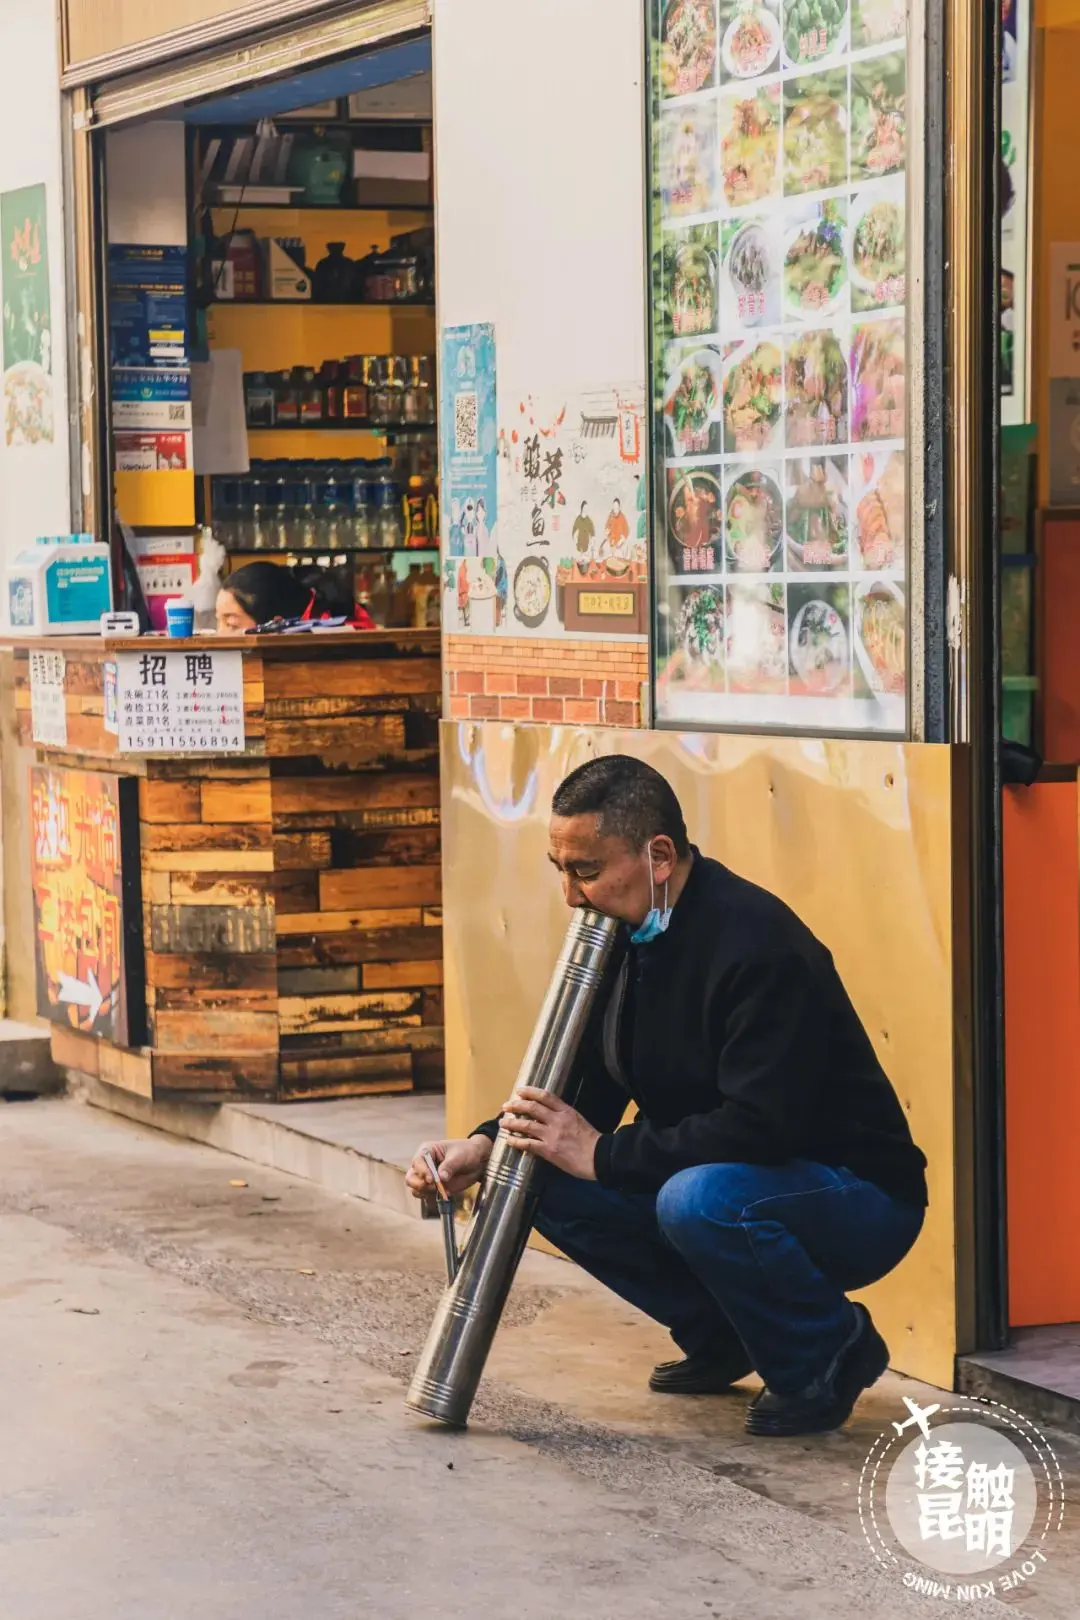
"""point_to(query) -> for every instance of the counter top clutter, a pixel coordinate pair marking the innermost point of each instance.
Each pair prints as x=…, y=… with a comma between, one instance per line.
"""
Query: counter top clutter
x=256, y=911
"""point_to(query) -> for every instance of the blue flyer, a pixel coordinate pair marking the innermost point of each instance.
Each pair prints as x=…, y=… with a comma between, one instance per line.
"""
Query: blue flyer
x=470, y=449
x=147, y=305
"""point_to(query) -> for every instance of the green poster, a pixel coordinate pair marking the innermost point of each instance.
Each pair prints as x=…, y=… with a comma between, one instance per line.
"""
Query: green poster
x=28, y=387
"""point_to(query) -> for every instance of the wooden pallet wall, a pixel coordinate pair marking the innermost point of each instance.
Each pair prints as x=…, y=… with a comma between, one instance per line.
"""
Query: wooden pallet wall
x=291, y=895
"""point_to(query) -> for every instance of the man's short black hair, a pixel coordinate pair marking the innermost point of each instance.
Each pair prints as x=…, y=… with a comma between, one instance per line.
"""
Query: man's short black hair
x=629, y=799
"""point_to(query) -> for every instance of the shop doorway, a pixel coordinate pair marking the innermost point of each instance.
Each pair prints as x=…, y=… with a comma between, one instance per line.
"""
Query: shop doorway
x=264, y=292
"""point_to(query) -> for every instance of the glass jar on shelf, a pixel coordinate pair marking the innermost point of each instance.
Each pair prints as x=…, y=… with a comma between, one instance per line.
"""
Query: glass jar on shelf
x=355, y=404
x=312, y=399
x=259, y=400
x=286, y=399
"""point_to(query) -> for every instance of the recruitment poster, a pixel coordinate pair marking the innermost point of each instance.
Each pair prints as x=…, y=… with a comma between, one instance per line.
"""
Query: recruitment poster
x=469, y=460
x=28, y=381
x=80, y=950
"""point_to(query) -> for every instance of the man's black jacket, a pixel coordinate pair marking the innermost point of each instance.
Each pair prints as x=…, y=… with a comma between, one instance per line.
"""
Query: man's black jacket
x=737, y=1041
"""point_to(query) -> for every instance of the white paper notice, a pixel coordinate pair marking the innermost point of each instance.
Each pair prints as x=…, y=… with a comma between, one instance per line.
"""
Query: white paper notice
x=180, y=702
x=217, y=404
x=48, y=715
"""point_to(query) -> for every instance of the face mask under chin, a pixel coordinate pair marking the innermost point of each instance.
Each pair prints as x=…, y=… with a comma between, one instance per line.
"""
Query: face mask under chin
x=656, y=921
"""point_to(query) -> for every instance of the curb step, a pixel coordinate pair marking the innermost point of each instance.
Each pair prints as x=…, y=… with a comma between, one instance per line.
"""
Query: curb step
x=360, y=1148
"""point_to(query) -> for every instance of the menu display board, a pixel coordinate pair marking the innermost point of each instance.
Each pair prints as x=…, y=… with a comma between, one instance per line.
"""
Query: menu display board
x=779, y=263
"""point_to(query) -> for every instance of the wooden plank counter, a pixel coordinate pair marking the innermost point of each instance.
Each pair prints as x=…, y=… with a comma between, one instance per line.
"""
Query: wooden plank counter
x=289, y=895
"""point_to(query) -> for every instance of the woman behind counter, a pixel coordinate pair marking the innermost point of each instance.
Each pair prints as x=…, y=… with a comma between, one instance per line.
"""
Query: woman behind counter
x=262, y=592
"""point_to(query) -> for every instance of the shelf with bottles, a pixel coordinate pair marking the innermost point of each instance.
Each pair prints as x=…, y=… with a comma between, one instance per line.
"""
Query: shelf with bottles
x=243, y=268
x=365, y=393
x=330, y=506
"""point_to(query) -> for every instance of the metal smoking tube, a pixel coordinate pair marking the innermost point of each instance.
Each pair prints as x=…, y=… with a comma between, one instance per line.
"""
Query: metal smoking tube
x=453, y=1359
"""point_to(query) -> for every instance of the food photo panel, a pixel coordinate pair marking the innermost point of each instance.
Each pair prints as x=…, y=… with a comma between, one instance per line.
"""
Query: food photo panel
x=878, y=380
x=816, y=513
x=757, y=658
x=693, y=639
x=690, y=282
x=878, y=114
x=878, y=246
x=750, y=278
x=819, y=640
x=814, y=30
x=816, y=131
x=693, y=395
x=815, y=271
x=815, y=389
x=695, y=520
x=688, y=159
x=753, y=397
x=749, y=145
x=749, y=39
x=877, y=22
x=880, y=639
x=754, y=519
x=688, y=46
x=880, y=497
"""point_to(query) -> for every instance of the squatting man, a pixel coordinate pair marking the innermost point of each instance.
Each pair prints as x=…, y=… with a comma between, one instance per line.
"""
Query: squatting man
x=769, y=1170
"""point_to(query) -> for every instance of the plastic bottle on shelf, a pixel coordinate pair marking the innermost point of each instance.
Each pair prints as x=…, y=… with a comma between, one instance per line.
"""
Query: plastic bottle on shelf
x=305, y=530
x=279, y=502
x=223, y=498
x=363, y=508
x=242, y=522
x=260, y=513
x=415, y=512
x=389, y=528
x=332, y=524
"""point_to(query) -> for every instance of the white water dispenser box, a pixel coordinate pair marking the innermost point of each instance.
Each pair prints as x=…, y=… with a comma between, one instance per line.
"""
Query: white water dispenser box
x=61, y=586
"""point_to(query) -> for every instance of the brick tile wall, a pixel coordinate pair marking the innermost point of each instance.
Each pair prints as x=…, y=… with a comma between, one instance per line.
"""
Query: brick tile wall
x=589, y=683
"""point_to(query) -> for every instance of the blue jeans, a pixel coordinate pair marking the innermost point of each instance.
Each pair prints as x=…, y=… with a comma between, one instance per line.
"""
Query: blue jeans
x=762, y=1255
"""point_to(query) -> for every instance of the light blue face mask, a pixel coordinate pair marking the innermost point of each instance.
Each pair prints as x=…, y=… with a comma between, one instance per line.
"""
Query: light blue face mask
x=656, y=921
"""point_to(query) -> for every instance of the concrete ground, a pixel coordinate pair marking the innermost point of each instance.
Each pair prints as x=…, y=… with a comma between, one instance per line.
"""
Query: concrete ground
x=203, y=1415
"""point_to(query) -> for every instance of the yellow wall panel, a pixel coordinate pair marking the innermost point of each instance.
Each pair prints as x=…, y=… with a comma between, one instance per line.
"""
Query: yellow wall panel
x=856, y=836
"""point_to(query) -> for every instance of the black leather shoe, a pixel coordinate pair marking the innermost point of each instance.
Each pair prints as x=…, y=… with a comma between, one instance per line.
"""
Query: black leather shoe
x=706, y=1372
x=830, y=1401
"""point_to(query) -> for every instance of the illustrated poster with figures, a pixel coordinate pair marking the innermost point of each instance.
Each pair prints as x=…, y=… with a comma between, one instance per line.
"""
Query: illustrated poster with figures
x=571, y=555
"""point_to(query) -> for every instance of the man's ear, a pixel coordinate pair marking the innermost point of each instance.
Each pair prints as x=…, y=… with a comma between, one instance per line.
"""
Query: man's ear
x=664, y=857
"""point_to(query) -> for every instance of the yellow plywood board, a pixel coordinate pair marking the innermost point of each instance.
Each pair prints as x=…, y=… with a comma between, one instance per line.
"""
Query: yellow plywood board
x=856, y=836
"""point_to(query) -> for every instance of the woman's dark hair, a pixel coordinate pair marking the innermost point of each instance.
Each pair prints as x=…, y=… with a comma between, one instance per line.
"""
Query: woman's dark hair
x=629, y=799
x=267, y=590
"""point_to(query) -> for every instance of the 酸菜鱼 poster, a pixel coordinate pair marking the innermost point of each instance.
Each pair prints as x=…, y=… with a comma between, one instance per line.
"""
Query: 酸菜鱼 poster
x=87, y=978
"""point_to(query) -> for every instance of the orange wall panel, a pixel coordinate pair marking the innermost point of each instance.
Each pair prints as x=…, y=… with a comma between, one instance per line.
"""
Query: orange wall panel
x=1042, y=1051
